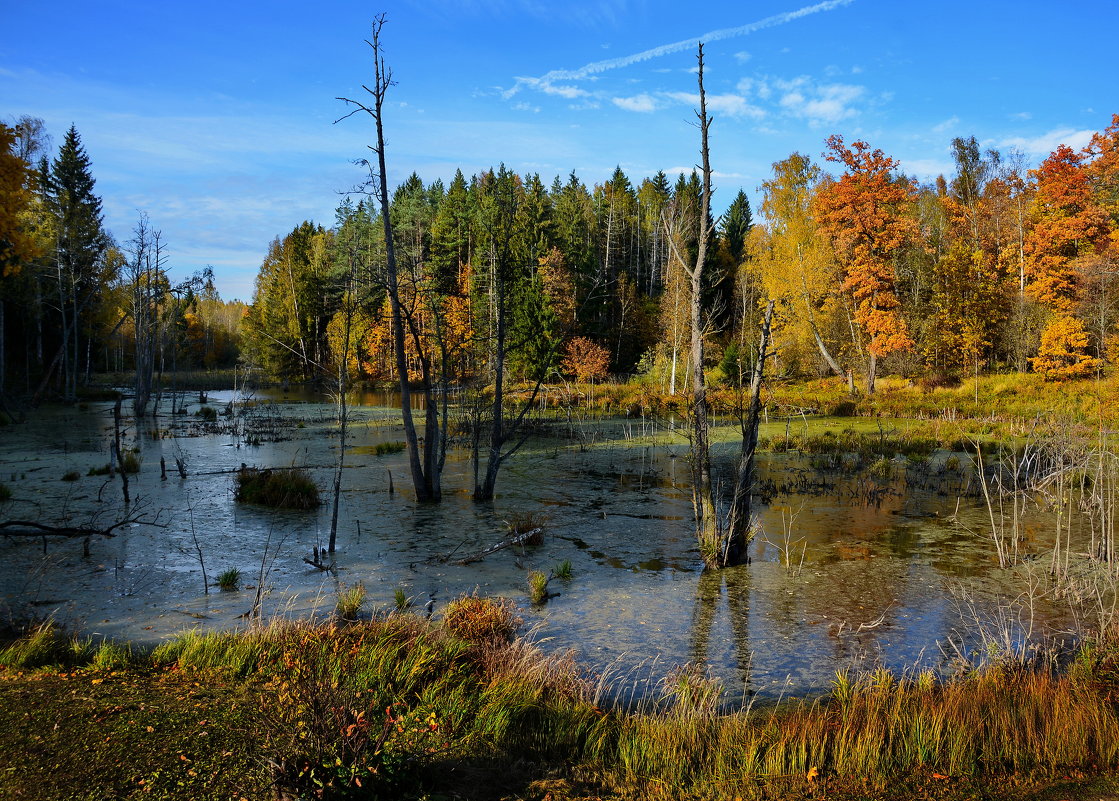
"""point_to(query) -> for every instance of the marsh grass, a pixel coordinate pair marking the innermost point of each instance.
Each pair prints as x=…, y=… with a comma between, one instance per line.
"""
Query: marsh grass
x=130, y=462
x=45, y=644
x=563, y=570
x=351, y=601
x=538, y=587
x=526, y=521
x=397, y=707
x=278, y=489
x=476, y=619
x=229, y=580
x=115, y=656
x=388, y=448
x=5, y=493
x=71, y=475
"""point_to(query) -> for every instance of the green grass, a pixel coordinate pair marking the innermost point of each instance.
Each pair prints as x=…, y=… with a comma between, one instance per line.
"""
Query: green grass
x=278, y=489
x=388, y=448
x=398, y=707
x=229, y=580
x=537, y=587
x=351, y=600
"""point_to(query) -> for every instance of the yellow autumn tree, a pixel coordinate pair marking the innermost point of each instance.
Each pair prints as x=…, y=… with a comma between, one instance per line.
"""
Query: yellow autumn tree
x=1063, y=353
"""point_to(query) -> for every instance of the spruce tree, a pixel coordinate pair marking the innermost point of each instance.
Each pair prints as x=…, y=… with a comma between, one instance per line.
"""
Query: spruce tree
x=736, y=226
x=80, y=243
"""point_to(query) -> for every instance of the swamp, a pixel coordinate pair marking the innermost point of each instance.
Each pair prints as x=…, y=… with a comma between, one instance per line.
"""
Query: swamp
x=876, y=546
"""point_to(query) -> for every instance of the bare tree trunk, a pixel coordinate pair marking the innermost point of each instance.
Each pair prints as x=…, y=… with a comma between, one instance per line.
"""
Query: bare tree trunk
x=426, y=488
x=703, y=499
x=738, y=520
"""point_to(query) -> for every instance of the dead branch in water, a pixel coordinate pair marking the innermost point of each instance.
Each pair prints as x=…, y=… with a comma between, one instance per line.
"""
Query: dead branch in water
x=33, y=528
x=520, y=539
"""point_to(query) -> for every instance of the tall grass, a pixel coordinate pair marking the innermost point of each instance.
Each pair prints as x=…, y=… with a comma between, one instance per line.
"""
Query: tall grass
x=388, y=706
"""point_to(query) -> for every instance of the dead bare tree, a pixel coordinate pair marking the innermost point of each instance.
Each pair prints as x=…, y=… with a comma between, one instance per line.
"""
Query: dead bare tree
x=721, y=542
x=426, y=468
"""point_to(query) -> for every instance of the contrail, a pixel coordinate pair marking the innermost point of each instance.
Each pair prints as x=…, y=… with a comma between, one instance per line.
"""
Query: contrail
x=597, y=67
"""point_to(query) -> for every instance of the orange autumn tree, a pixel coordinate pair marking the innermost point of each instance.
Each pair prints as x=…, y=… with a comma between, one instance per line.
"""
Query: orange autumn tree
x=866, y=214
x=1071, y=229
x=586, y=360
x=1068, y=224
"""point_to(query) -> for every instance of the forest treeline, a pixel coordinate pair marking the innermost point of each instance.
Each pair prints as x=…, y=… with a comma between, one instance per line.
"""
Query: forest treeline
x=74, y=300
x=995, y=267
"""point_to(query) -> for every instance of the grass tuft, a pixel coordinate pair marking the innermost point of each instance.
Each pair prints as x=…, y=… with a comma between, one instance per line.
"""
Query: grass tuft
x=388, y=448
x=278, y=489
x=229, y=580
x=481, y=619
x=537, y=587
x=350, y=601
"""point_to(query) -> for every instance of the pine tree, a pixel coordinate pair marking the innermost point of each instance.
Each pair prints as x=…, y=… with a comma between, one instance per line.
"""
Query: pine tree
x=736, y=226
x=80, y=244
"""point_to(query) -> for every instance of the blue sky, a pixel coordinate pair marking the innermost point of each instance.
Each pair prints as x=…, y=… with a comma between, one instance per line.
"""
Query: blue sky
x=216, y=118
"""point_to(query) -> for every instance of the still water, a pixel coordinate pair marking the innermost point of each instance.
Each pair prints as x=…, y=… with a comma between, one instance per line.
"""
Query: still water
x=848, y=570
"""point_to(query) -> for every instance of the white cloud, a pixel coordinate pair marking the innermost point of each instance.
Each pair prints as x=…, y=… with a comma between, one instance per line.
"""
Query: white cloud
x=819, y=103
x=641, y=102
x=1022, y=115
x=947, y=125
x=730, y=104
x=597, y=67
x=927, y=169
x=1046, y=143
x=742, y=56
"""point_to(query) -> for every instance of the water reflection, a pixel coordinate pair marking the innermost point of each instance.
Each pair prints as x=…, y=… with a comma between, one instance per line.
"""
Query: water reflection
x=847, y=569
x=709, y=593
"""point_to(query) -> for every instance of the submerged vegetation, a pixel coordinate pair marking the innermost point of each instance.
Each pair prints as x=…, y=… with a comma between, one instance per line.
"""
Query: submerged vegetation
x=401, y=707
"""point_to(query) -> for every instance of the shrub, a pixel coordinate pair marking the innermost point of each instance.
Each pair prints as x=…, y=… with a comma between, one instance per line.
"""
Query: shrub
x=585, y=359
x=279, y=489
x=481, y=619
x=1063, y=352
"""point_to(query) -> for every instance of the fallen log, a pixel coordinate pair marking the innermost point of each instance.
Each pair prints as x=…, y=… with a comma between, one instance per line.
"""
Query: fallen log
x=32, y=528
x=520, y=539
